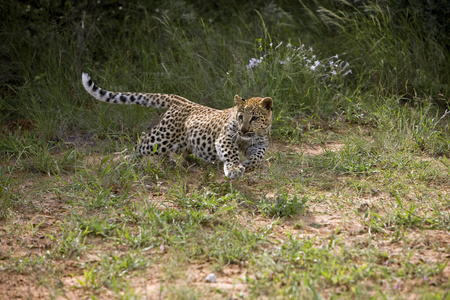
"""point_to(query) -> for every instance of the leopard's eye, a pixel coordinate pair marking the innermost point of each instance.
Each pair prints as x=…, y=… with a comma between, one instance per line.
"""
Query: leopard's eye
x=254, y=118
x=241, y=117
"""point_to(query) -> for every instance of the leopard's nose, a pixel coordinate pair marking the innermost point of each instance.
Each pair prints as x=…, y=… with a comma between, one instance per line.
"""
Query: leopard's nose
x=246, y=133
x=243, y=131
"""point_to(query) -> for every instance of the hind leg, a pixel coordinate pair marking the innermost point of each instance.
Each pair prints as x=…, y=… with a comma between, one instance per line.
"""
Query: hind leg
x=153, y=143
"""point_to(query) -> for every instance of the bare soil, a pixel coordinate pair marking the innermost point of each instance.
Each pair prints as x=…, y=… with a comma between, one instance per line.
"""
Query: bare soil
x=48, y=211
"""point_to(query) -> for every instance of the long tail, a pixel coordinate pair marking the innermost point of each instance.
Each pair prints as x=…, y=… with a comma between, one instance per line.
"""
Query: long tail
x=144, y=99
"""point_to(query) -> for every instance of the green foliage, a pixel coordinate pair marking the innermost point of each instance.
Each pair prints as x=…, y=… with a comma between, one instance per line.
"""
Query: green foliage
x=395, y=48
x=8, y=198
x=97, y=226
x=99, y=189
x=72, y=241
x=115, y=265
x=35, y=155
x=205, y=200
x=231, y=244
x=283, y=206
x=416, y=129
x=209, y=52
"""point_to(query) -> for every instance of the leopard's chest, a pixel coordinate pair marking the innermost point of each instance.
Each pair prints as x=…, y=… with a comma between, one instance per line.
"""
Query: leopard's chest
x=201, y=135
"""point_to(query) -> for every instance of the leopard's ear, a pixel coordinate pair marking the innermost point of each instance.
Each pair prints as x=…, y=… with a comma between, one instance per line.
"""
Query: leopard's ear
x=267, y=103
x=238, y=100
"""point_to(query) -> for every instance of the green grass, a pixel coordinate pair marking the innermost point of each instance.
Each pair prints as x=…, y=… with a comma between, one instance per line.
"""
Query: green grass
x=283, y=206
x=352, y=202
x=7, y=196
x=114, y=229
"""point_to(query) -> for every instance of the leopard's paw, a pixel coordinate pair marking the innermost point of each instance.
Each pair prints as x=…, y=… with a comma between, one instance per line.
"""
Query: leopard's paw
x=249, y=165
x=233, y=171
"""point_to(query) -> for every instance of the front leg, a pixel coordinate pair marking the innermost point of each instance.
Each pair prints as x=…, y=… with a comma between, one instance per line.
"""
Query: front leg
x=255, y=155
x=233, y=170
x=228, y=152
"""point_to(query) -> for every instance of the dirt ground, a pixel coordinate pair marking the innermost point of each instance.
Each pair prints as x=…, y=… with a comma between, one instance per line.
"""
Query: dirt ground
x=26, y=281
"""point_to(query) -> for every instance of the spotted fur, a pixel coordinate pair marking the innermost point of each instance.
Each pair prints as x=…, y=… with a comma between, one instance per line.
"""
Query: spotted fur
x=210, y=134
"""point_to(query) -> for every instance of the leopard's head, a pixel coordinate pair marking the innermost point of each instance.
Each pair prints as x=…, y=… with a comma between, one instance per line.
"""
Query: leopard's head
x=254, y=116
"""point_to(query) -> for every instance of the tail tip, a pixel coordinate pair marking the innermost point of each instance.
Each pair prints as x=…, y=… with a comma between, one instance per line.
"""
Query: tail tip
x=85, y=76
x=87, y=82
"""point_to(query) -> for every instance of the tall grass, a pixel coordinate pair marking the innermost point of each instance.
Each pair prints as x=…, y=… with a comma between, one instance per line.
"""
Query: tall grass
x=392, y=44
x=321, y=58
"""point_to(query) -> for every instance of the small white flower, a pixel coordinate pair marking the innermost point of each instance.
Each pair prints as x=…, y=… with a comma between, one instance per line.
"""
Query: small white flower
x=253, y=62
x=271, y=44
x=333, y=72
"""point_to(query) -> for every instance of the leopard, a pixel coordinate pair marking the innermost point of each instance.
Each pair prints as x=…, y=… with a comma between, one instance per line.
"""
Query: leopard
x=210, y=134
